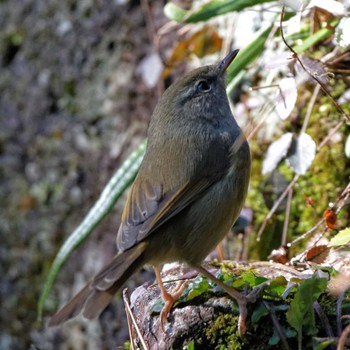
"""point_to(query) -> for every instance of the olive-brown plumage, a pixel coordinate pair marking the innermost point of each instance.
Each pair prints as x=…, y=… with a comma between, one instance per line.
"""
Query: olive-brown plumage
x=188, y=193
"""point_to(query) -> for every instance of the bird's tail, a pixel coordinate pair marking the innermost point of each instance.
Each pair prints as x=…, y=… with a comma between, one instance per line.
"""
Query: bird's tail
x=97, y=294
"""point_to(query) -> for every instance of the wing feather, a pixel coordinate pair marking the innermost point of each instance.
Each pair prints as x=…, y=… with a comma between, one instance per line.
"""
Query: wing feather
x=150, y=203
x=148, y=208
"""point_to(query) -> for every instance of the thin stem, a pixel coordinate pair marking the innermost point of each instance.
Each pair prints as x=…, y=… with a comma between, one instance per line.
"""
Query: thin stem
x=312, y=75
x=310, y=107
x=129, y=312
x=331, y=133
x=323, y=317
x=307, y=233
x=339, y=312
x=343, y=338
x=277, y=325
x=286, y=219
x=276, y=205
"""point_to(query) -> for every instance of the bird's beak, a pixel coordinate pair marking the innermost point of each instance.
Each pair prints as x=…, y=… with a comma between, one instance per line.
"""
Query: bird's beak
x=223, y=65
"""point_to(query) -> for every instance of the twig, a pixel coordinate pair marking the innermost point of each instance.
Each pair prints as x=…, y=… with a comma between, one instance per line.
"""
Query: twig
x=309, y=108
x=228, y=38
x=312, y=75
x=266, y=113
x=276, y=205
x=257, y=127
x=277, y=325
x=342, y=200
x=339, y=70
x=306, y=120
x=129, y=313
x=331, y=133
x=303, y=129
x=307, y=233
x=343, y=338
x=150, y=27
x=345, y=195
x=167, y=27
x=324, y=319
x=286, y=218
x=339, y=204
x=339, y=312
x=335, y=57
x=131, y=333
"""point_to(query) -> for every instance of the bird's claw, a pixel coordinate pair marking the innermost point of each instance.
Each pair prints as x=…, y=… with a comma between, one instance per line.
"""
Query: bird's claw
x=251, y=298
x=169, y=300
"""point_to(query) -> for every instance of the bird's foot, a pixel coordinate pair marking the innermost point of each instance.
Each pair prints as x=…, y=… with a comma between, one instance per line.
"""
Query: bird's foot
x=169, y=300
x=242, y=300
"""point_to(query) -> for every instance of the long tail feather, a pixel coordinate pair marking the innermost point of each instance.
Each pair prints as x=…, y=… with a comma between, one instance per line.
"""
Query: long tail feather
x=98, y=293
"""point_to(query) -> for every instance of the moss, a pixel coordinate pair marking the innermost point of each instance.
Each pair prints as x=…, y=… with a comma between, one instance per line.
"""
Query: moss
x=224, y=333
x=126, y=346
x=322, y=183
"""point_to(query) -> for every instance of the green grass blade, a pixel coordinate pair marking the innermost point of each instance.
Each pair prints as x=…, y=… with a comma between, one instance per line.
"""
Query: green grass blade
x=245, y=57
x=312, y=40
x=110, y=194
x=208, y=10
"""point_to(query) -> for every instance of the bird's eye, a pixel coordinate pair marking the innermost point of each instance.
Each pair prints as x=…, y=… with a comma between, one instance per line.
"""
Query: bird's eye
x=203, y=86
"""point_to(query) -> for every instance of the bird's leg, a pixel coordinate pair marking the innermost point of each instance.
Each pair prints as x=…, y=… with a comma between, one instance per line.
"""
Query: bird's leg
x=242, y=300
x=168, y=298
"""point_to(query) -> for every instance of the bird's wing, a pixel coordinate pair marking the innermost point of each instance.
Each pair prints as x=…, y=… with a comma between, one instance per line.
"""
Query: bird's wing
x=148, y=207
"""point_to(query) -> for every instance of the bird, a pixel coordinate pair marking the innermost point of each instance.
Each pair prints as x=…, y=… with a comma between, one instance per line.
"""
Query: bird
x=189, y=191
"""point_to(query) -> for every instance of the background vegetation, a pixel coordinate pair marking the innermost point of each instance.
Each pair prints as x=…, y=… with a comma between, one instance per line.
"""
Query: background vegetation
x=79, y=81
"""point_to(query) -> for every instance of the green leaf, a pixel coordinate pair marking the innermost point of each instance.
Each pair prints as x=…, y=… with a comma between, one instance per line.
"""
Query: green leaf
x=196, y=288
x=325, y=344
x=174, y=12
x=312, y=40
x=208, y=10
x=274, y=339
x=259, y=312
x=278, y=286
x=301, y=312
x=245, y=57
x=290, y=333
x=341, y=238
x=189, y=346
x=248, y=278
x=157, y=307
x=110, y=194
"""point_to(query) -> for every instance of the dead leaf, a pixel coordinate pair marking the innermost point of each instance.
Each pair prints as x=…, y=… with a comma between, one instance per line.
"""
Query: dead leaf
x=201, y=43
x=279, y=255
x=317, y=254
x=330, y=217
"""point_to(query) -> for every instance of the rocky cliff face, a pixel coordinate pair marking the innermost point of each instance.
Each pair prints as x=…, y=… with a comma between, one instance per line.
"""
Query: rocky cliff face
x=71, y=109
